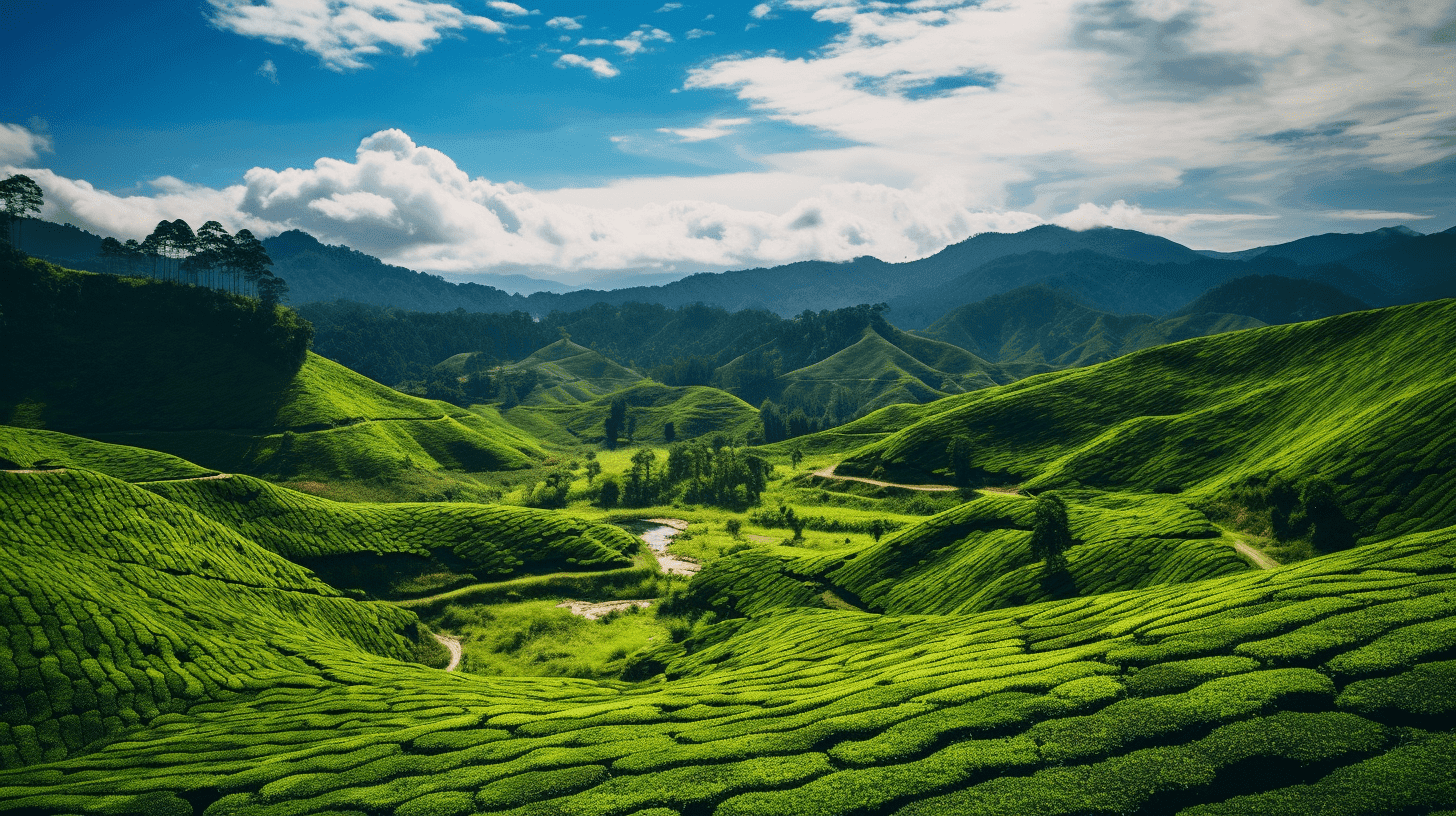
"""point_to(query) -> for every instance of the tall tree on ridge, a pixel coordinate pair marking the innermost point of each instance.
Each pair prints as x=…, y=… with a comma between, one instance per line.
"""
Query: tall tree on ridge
x=19, y=196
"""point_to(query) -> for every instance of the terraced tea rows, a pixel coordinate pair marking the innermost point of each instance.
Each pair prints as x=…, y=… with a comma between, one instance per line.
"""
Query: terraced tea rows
x=1291, y=690
x=1207, y=414
x=978, y=557
x=493, y=540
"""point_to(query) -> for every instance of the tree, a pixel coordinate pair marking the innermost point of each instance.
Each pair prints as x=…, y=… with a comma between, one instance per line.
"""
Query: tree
x=774, y=429
x=271, y=290
x=616, y=418
x=669, y=432
x=959, y=454
x=1051, y=533
x=211, y=250
x=593, y=469
x=796, y=456
x=792, y=520
x=249, y=258
x=1329, y=529
x=734, y=526
x=878, y=528
x=19, y=196
x=611, y=492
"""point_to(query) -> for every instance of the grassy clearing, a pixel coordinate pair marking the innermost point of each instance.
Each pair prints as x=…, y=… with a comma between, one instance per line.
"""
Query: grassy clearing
x=536, y=638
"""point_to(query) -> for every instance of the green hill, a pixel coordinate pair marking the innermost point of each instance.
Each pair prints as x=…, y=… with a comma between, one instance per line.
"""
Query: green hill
x=1354, y=399
x=1324, y=687
x=978, y=557
x=1036, y=325
x=694, y=410
x=216, y=380
x=567, y=373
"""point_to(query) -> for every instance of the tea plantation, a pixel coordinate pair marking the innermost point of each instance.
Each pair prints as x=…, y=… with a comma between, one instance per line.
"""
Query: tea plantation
x=1320, y=687
x=1365, y=400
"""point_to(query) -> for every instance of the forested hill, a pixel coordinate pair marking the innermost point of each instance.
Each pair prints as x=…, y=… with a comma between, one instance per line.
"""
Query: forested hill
x=1111, y=269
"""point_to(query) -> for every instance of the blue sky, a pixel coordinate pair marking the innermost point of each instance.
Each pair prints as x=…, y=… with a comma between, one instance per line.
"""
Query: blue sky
x=596, y=140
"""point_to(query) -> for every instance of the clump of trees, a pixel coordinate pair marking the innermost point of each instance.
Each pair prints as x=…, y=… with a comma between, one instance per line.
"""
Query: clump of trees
x=1273, y=505
x=718, y=475
x=210, y=257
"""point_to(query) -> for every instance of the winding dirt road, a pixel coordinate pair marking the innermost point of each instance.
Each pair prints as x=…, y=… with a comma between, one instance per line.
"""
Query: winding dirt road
x=659, y=537
x=455, y=651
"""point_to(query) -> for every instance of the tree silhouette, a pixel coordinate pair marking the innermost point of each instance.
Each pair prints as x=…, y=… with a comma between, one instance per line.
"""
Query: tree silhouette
x=959, y=454
x=669, y=432
x=19, y=196
x=616, y=417
x=1051, y=534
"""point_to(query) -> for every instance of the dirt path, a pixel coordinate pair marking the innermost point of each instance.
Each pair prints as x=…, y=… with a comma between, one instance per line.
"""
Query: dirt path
x=36, y=470
x=1260, y=560
x=592, y=611
x=455, y=651
x=828, y=473
x=659, y=537
x=214, y=477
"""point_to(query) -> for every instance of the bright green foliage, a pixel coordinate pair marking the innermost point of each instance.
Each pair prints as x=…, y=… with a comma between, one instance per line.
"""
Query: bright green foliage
x=91, y=650
x=26, y=447
x=1205, y=414
x=693, y=410
x=978, y=556
x=1122, y=702
x=568, y=373
x=491, y=540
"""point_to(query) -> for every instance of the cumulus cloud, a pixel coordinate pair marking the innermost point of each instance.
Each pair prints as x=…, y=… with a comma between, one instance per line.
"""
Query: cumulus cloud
x=634, y=42
x=20, y=145
x=598, y=66
x=412, y=205
x=711, y=129
x=564, y=23
x=342, y=33
x=666, y=7
x=510, y=9
x=698, y=33
x=760, y=11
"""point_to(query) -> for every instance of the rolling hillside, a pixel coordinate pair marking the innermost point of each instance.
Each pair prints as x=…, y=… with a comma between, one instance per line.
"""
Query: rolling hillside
x=214, y=379
x=1210, y=414
x=1036, y=325
x=1318, y=688
x=567, y=373
x=977, y=557
x=694, y=410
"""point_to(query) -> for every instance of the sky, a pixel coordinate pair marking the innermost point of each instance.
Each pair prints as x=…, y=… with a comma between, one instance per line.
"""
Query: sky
x=601, y=141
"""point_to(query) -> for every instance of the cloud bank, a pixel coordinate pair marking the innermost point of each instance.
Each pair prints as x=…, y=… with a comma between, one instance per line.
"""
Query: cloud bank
x=341, y=33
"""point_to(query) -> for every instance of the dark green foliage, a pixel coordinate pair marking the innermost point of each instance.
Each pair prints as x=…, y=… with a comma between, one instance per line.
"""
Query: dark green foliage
x=1051, y=533
x=616, y=420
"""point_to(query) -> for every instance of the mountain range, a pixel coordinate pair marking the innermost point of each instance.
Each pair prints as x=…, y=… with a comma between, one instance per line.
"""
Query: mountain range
x=1114, y=270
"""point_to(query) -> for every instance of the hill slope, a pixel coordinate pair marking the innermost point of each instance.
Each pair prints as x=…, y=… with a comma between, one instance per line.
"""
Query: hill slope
x=1318, y=688
x=1274, y=299
x=1208, y=414
x=1037, y=325
x=215, y=379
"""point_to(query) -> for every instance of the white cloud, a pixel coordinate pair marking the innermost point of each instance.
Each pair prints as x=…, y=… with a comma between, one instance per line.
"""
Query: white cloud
x=20, y=145
x=268, y=71
x=564, y=23
x=1125, y=216
x=510, y=9
x=711, y=129
x=698, y=33
x=597, y=66
x=760, y=11
x=1375, y=215
x=1054, y=103
x=412, y=205
x=342, y=33
x=669, y=7
x=634, y=42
